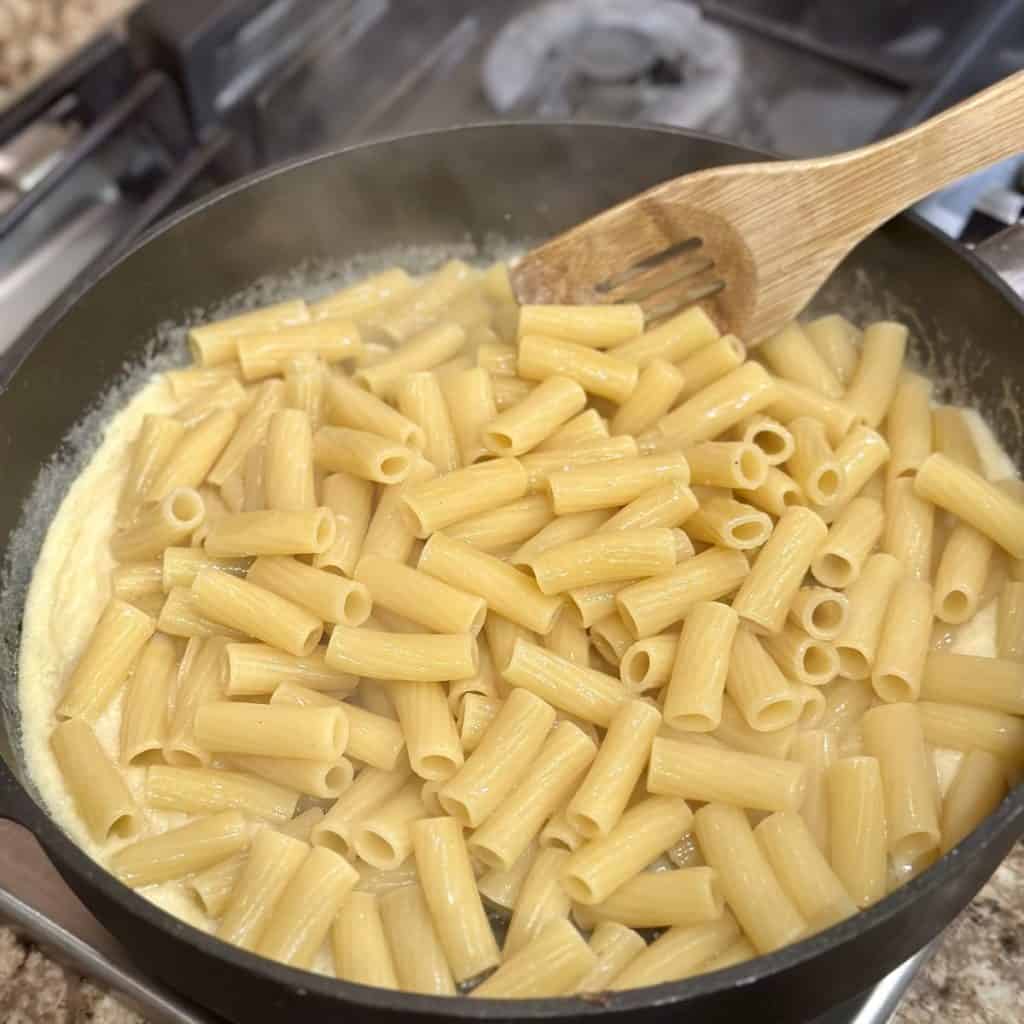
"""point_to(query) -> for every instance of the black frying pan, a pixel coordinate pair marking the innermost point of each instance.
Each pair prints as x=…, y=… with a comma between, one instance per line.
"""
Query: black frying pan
x=520, y=183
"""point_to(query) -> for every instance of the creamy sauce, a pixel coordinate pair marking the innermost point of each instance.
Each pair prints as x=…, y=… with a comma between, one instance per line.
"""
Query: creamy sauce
x=70, y=587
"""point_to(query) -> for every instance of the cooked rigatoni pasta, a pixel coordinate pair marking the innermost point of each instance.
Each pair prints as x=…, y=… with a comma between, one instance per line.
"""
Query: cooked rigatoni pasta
x=419, y=597
x=724, y=776
x=693, y=699
x=747, y=390
x=598, y=373
x=710, y=363
x=605, y=557
x=877, y=376
x=765, y=595
x=554, y=774
x=507, y=591
x=602, y=796
x=594, y=326
x=769, y=436
x=837, y=342
x=103, y=667
x=420, y=398
x=853, y=534
x=567, y=643
x=791, y=354
x=505, y=752
x=657, y=388
x=764, y=910
x=449, y=888
x=99, y=790
x=857, y=643
x=146, y=702
x=162, y=524
x=909, y=528
x=649, y=606
x=968, y=495
x=253, y=669
x=594, y=871
x=727, y=464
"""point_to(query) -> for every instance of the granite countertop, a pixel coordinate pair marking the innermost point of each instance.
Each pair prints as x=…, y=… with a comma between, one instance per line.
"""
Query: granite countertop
x=976, y=977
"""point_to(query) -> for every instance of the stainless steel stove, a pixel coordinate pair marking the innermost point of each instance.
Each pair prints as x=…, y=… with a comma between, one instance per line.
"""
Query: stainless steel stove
x=185, y=95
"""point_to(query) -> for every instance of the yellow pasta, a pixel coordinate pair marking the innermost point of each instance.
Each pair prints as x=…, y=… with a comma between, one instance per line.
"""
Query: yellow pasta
x=541, y=900
x=711, y=363
x=264, y=353
x=985, y=506
x=157, y=439
x=952, y=436
x=272, y=532
x=251, y=430
x=813, y=465
x=876, y=378
x=605, y=557
x=307, y=905
x=721, y=405
x=765, y=595
x=556, y=771
x=192, y=458
x=216, y=343
x=547, y=407
x=326, y=595
x=206, y=791
x=837, y=342
x=802, y=870
x=909, y=528
x=594, y=871
x=679, y=953
x=791, y=354
x=350, y=406
x=594, y=326
x=507, y=591
x=146, y=702
x=615, y=946
x=602, y=797
x=505, y=752
x=450, y=891
x=649, y=606
x=253, y=669
x=894, y=737
x=598, y=373
x=103, y=667
x=419, y=597
x=995, y=683
x=584, y=693
x=769, y=436
x=431, y=738
x=727, y=464
x=256, y=611
x=180, y=851
x=420, y=398
x=675, y=338
x=857, y=643
x=164, y=524
x=766, y=913
x=232, y=727
x=815, y=750
x=724, y=776
x=657, y=388
x=976, y=791
x=98, y=789
x=361, y=950
x=423, y=351
x=904, y=642
x=419, y=959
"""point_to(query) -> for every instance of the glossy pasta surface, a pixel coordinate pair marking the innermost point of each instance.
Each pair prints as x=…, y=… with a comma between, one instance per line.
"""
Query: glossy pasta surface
x=407, y=608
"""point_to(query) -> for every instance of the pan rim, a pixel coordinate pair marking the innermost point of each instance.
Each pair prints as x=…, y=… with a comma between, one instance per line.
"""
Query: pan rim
x=71, y=859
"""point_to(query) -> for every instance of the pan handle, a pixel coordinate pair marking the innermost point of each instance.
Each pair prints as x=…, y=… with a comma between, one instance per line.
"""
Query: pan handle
x=15, y=804
x=1004, y=253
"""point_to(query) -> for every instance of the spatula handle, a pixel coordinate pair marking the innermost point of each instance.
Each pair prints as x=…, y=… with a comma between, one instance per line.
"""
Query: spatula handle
x=895, y=173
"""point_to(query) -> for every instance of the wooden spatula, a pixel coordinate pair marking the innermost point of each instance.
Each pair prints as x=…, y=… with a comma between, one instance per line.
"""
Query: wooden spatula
x=754, y=242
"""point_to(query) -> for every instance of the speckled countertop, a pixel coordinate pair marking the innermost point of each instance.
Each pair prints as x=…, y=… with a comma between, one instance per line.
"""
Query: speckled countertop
x=977, y=976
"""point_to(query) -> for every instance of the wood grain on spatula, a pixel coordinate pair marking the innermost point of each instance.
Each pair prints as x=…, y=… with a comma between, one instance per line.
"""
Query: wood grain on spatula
x=754, y=242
